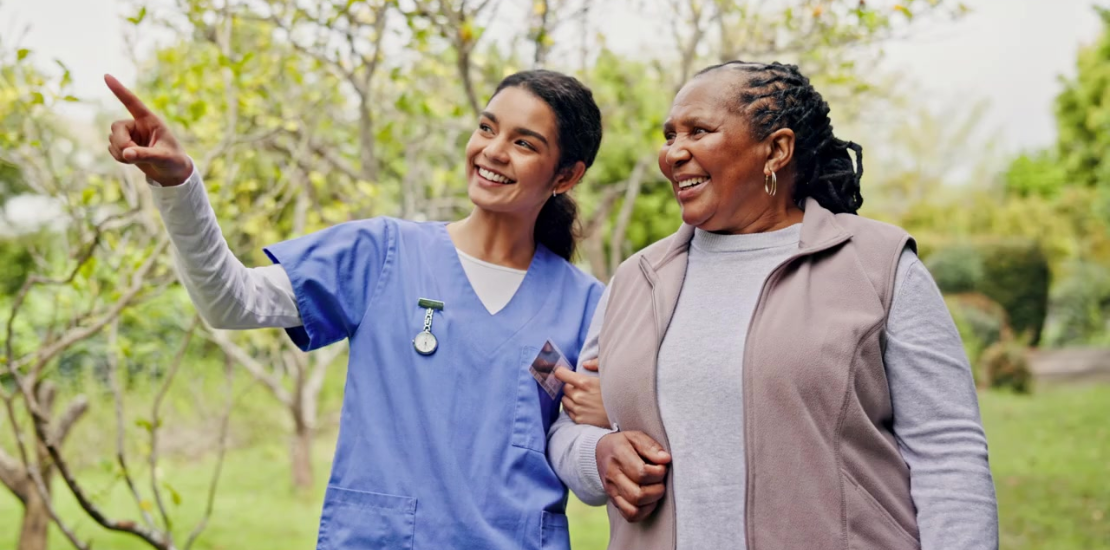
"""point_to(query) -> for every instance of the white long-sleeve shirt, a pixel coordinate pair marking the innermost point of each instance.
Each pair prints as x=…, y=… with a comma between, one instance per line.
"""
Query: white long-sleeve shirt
x=230, y=295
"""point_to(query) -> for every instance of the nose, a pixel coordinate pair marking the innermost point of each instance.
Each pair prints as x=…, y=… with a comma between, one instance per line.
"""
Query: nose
x=677, y=154
x=497, y=150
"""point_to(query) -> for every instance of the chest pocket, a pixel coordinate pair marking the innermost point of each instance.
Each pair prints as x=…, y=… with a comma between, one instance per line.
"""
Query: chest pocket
x=535, y=410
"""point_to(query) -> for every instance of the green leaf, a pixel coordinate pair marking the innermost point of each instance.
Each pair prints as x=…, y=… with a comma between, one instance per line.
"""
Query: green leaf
x=22, y=54
x=144, y=424
x=67, y=77
x=403, y=103
x=174, y=495
x=197, y=109
x=37, y=99
x=88, y=268
x=138, y=18
x=71, y=99
x=237, y=67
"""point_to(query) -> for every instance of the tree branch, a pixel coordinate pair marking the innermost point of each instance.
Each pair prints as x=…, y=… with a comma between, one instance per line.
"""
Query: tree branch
x=83, y=258
x=256, y=369
x=604, y=208
x=225, y=423
x=45, y=354
x=42, y=434
x=156, y=423
x=151, y=537
x=10, y=475
x=121, y=429
x=330, y=156
x=540, y=56
x=76, y=409
x=616, y=242
x=40, y=485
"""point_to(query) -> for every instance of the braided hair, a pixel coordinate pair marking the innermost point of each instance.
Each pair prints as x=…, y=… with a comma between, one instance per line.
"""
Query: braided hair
x=777, y=96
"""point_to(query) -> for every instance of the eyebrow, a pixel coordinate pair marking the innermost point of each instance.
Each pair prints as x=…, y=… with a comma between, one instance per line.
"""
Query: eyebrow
x=687, y=121
x=523, y=131
x=690, y=120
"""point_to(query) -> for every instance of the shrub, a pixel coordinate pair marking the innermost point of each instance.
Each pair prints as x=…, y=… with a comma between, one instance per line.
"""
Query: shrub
x=1079, y=307
x=957, y=269
x=1005, y=364
x=1016, y=276
x=1012, y=272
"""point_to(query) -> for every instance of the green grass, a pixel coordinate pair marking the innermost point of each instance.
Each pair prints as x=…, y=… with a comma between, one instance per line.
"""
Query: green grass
x=589, y=527
x=255, y=507
x=1050, y=454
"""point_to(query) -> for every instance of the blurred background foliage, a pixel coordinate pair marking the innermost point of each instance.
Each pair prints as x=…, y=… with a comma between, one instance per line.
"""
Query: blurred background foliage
x=301, y=115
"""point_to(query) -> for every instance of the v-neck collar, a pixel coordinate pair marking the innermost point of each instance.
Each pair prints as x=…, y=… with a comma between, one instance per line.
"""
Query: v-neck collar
x=535, y=281
x=491, y=331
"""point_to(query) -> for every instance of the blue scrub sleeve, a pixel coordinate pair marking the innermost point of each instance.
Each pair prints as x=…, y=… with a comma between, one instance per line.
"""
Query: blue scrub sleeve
x=334, y=273
x=593, y=299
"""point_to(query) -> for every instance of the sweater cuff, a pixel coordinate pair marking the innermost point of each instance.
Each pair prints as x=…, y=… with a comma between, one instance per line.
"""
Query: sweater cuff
x=167, y=198
x=587, y=459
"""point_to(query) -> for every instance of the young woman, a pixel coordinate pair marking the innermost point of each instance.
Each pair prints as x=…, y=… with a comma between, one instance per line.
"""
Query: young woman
x=443, y=429
x=783, y=372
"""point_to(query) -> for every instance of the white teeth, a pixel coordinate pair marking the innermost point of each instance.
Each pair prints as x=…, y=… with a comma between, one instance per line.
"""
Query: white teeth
x=493, y=176
x=691, y=182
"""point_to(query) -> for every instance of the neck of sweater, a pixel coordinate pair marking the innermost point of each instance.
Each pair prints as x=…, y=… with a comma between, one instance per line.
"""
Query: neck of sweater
x=713, y=242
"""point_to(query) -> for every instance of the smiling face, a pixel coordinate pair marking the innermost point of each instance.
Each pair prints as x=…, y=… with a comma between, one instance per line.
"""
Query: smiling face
x=513, y=154
x=715, y=165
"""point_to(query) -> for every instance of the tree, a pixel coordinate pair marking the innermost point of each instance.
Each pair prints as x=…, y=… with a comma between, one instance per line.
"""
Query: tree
x=824, y=38
x=1066, y=189
x=1083, y=114
x=27, y=97
x=103, y=260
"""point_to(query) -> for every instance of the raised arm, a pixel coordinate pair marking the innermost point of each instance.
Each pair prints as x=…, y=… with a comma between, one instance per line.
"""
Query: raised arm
x=226, y=293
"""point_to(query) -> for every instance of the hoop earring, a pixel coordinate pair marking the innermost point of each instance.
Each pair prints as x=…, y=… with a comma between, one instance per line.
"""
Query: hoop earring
x=771, y=184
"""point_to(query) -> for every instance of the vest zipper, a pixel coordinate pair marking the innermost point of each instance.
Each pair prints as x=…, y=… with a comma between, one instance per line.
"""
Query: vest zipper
x=649, y=274
x=748, y=543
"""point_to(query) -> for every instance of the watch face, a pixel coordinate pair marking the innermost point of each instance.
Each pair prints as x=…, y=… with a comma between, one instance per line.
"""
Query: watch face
x=425, y=343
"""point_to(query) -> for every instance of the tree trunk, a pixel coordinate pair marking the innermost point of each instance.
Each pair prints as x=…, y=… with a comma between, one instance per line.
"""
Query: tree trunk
x=302, y=456
x=36, y=520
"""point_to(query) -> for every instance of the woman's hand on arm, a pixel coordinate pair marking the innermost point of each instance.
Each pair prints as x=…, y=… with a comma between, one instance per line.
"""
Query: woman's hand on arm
x=632, y=467
x=582, y=395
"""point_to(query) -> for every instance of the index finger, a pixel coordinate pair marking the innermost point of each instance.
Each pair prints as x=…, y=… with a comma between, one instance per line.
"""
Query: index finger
x=129, y=100
x=570, y=377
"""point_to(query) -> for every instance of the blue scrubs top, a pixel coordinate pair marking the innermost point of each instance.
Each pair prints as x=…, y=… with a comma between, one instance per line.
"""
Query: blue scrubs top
x=445, y=451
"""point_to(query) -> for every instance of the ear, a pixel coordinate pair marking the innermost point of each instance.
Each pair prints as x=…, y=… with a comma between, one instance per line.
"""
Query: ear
x=780, y=150
x=567, y=178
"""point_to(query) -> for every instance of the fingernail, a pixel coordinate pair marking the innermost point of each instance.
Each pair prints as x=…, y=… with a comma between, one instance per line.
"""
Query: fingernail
x=128, y=154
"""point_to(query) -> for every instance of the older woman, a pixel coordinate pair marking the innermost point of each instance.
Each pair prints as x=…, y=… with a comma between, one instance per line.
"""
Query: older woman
x=790, y=363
